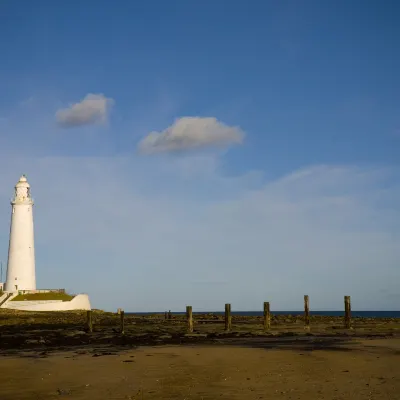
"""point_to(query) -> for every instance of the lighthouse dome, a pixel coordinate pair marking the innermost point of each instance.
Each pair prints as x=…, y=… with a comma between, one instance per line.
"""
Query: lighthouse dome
x=23, y=182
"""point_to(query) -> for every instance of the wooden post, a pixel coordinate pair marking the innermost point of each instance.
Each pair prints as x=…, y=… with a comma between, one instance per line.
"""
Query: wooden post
x=228, y=317
x=169, y=314
x=306, y=312
x=89, y=321
x=165, y=315
x=122, y=315
x=347, y=312
x=189, y=316
x=267, y=316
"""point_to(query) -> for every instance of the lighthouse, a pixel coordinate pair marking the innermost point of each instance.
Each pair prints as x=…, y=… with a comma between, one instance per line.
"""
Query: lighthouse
x=21, y=279
x=21, y=250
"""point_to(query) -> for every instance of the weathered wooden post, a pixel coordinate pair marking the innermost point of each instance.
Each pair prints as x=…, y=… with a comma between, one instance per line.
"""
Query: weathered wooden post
x=347, y=312
x=165, y=315
x=189, y=316
x=306, y=312
x=169, y=314
x=228, y=317
x=89, y=321
x=267, y=316
x=122, y=316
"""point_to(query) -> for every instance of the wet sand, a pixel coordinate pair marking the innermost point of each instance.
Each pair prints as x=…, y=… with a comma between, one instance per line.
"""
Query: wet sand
x=351, y=369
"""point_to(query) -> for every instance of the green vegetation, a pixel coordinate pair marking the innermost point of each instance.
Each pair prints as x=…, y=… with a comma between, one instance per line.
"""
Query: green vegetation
x=43, y=296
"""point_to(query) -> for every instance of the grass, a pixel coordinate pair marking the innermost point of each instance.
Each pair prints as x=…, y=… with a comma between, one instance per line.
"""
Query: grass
x=43, y=296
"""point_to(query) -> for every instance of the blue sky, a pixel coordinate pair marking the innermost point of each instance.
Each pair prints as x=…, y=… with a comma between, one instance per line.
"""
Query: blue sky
x=200, y=153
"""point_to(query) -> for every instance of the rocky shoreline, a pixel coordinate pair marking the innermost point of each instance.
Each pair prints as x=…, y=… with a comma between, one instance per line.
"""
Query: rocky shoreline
x=20, y=331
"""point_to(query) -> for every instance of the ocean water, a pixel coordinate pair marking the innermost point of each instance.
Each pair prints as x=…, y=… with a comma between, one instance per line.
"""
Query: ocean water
x=354, y=314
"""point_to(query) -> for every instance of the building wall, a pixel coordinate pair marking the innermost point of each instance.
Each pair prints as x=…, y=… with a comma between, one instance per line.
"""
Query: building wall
x=21, y=252
x=79, y=302
x=18, y=304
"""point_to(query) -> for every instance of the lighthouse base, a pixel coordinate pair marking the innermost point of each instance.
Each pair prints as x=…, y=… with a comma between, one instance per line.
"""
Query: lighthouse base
x=79, y=302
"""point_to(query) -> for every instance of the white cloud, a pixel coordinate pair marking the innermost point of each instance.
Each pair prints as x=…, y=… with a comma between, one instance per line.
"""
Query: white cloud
x=191, y=132
x=94, y=108
x=148, y=232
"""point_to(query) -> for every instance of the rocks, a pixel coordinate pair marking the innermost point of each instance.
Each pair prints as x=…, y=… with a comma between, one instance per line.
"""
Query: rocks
x=64, y=392
x=196, y=335
x=58, y=330
x=165, y=337
x=35, y=341
x=74, y=333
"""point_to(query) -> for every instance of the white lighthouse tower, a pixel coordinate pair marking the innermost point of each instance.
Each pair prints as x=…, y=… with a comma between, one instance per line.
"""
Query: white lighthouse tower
x=21, y=250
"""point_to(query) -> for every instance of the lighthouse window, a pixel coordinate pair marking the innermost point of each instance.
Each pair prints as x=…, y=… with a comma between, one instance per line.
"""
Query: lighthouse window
x=13, y=210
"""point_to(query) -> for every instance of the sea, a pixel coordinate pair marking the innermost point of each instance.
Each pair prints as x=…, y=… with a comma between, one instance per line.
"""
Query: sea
x=354, y=314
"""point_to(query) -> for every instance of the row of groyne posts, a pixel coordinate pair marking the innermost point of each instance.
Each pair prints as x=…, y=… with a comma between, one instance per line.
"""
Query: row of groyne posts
x=228, y=316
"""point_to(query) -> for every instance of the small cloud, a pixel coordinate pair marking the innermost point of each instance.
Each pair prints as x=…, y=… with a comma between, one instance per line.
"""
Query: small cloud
x=27, y=102
x=189, y=133
x=94, y=108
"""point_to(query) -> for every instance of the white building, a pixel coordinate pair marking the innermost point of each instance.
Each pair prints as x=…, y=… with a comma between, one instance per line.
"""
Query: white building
x=21, y=276
x=21, y=250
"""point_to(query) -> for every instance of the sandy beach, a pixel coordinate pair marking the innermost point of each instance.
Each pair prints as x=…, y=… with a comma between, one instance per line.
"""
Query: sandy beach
x=49, y=356
x=355, y=369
